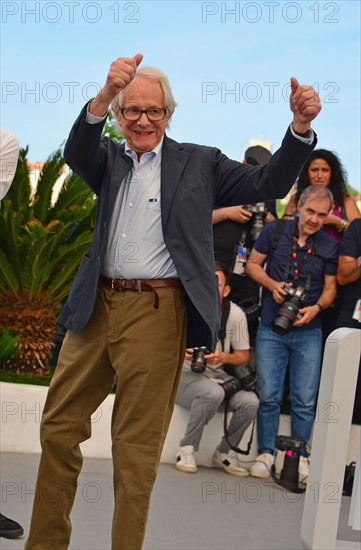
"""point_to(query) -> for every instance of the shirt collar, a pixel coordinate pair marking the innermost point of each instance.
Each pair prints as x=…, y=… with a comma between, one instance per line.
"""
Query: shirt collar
x=154, y=155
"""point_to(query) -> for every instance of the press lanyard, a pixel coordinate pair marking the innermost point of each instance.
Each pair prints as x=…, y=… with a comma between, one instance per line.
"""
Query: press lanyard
x=293, y=257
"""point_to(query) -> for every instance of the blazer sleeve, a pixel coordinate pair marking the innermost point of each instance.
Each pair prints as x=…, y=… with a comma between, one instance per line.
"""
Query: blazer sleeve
x=237, y=183
x=86, y=152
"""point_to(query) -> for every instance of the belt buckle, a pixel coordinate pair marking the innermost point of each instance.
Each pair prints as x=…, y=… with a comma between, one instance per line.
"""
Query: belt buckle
x=117, y=289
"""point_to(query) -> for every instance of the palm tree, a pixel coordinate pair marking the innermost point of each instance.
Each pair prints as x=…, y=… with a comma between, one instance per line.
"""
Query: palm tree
x=41, y=245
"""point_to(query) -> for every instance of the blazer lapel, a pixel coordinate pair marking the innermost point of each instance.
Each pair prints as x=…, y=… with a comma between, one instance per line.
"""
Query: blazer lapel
x=122, y=165
x=174, y=159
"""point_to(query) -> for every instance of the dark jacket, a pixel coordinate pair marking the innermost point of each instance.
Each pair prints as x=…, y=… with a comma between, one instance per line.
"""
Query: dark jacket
x=193, y=179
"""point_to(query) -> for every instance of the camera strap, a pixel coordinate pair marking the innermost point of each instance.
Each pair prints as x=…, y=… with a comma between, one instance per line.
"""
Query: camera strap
x=311, y=251
x=226, y=432
x=226, y=308
x=280, y=226
x=222, y=336
x=288, y=486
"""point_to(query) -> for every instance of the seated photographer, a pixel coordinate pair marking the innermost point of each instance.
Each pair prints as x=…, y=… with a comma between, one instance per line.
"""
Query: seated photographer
x=235, y=229
x=203, y=388
x=298, y=284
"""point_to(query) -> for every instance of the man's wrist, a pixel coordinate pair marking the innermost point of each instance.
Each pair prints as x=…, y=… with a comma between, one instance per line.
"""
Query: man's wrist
x=98, y=107
x=302, y=130
x=320, y=306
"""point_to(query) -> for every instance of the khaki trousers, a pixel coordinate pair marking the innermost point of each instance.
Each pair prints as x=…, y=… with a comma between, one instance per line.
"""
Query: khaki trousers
x=141, y=349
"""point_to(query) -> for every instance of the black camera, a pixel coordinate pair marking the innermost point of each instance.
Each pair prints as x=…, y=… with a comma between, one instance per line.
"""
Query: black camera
x=259, y=211
x=287, y=313
x=289, y=473
x=198, y=362
x=243, y=379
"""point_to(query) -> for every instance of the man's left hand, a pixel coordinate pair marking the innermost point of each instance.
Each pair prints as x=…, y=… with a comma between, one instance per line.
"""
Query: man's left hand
x=305, y=104
x=308, y=313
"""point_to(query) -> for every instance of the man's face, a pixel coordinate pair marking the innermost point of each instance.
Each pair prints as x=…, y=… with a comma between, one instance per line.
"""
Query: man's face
x=224, y=289
x=312, y=215
x=143, y=135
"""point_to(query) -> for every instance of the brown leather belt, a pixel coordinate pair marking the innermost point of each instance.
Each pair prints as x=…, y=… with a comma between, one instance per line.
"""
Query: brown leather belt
x=140, y=285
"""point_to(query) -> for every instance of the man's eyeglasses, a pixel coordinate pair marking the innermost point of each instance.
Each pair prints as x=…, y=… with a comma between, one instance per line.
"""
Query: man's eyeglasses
x=133, y=113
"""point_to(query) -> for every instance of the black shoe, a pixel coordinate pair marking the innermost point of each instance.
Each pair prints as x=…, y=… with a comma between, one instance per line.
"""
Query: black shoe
x=10, y=529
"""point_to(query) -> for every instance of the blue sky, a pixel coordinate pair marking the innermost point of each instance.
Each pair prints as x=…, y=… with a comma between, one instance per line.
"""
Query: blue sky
x=229, y=65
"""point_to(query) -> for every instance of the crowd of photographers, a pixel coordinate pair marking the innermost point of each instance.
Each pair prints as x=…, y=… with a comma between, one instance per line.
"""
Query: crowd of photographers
x=282, y=274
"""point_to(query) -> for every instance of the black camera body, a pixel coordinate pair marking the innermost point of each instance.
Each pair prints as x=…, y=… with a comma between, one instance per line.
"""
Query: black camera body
x=288, y=443
x=288, y=312
x=198, y=362
x=243, y=379
x=258, y=208
x=258, y=211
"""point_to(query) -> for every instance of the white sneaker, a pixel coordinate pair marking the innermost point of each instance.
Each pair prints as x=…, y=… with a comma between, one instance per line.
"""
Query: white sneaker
x=262, y=466
x=186, y=461
x=303, y=468
x=230, y=463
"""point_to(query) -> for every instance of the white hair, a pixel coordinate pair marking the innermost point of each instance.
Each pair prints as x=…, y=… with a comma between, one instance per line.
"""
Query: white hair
x=154, y=74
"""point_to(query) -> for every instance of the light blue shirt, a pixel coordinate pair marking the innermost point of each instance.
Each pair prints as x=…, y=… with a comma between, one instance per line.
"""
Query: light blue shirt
x=136, y=248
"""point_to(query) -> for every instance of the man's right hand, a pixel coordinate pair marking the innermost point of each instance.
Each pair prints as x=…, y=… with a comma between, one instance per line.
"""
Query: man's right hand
x=235, y=213
x=121, y=73
x=278, y=291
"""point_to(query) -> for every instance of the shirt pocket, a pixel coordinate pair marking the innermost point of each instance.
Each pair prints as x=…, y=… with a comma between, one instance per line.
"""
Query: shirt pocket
x=153, y=223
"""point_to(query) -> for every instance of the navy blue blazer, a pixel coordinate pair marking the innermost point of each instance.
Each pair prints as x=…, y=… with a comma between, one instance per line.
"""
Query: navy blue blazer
x=193, y=179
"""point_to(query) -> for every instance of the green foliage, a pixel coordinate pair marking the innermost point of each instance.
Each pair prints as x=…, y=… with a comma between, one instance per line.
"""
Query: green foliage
x=111, y=129
x=41, y=243
x=25, y=378
x=8, y=344
x=280, y=208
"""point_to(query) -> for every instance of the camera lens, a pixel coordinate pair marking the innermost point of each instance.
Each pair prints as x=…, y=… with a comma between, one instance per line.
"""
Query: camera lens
x=232, y=386
x=287, y=313
x=198, y=362
x=285, y=318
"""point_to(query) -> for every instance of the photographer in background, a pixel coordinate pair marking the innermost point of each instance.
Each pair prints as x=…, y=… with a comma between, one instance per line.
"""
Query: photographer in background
x=204, y=392
x=298, y=283
x=235, y=229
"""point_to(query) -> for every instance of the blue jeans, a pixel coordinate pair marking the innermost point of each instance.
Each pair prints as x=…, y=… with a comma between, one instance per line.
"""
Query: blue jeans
x=301, y=352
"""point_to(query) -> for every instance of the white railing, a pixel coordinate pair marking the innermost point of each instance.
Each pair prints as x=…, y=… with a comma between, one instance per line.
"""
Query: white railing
x=330, y=443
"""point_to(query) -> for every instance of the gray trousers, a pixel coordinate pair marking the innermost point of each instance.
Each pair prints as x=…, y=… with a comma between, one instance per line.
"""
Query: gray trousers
x=203, y=397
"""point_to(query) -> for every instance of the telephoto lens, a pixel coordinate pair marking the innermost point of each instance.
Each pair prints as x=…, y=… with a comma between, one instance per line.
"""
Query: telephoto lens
x=288, y=312
x=289, y=472
x=244, y=376
x=232, y=386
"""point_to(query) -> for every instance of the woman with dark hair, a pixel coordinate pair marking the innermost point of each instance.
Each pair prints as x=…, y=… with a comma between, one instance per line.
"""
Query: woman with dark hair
x=324, y=168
